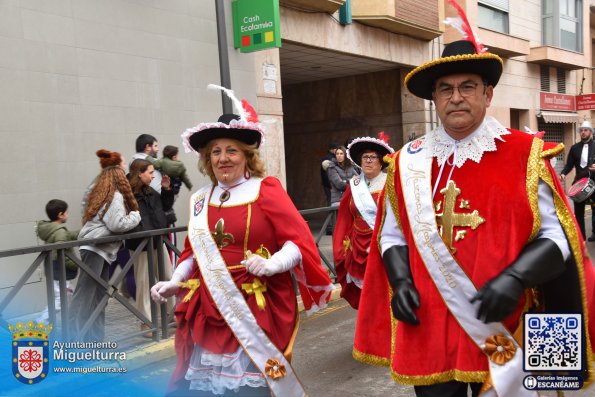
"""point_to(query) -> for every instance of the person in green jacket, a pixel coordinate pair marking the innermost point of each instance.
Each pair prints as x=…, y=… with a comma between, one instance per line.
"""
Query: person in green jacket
x=174, y=168
x=54, y=231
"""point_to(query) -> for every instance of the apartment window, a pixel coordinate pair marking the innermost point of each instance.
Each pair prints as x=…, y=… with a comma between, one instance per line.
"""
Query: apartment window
x=493, y=15
x=544, y=77
x=562, y=23
x=561, y=80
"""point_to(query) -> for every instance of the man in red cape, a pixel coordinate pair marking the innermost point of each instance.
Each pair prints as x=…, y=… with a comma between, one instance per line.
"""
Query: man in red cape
x=473, y=230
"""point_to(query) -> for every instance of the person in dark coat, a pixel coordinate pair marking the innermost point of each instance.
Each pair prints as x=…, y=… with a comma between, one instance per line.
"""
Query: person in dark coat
x=325, y=163
x=152, y=207
x=581, y=157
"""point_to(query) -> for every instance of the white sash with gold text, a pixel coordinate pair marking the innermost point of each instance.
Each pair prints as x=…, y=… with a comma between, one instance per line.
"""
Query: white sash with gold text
x=231, y=303
x=452, y=282
x=363, y=200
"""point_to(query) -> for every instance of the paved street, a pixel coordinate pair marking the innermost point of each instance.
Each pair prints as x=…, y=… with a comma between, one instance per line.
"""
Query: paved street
x=322, y=359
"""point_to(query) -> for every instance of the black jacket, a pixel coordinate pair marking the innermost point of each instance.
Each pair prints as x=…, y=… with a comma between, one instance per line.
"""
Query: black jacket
x=152, y=207
x=574, y=161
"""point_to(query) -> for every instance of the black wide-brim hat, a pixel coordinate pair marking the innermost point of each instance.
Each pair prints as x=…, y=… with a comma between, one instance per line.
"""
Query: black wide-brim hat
x=229, y=126
x=358, y=146
x=457, y=57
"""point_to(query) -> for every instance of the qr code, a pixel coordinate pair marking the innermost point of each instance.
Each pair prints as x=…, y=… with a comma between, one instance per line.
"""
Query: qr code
x=553, y=342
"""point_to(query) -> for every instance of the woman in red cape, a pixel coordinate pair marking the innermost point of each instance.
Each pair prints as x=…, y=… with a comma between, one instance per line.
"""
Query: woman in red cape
x=263, y=242
x=355, y=219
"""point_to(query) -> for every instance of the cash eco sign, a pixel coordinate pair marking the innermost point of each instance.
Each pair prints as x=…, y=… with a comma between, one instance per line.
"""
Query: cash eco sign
x=256, y=24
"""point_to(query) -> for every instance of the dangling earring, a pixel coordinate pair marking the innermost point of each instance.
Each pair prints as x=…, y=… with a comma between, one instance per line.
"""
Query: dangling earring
x=247, y=174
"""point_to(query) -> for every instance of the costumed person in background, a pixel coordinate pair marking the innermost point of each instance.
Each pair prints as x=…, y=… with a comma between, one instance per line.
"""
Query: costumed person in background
x=357, y=214
x=237, y=314
x=473, y=221
x=111, y=209
x=581, y=157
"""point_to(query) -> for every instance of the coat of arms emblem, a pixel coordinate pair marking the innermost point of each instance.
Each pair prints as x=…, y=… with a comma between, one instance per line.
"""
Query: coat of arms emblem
x=198, y=204
x=30, y=351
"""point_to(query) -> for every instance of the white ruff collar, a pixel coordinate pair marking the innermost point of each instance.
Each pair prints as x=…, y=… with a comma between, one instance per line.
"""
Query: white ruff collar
x=440, y=145
x=377, y=183
x=244, y=193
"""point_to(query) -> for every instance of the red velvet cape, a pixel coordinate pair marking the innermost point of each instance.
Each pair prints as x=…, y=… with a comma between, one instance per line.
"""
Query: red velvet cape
x=438, y=350
x=351, y=243
x=273, y=221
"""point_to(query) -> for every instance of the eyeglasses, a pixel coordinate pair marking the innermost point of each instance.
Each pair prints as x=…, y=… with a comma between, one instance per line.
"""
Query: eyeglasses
x=370, y=157
x=465, y=90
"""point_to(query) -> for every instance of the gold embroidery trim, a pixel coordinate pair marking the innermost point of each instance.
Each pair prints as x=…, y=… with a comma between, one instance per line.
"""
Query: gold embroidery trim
x=454, y=58
x=390, y=185
x=370, y=358
x=440, y=377
x=192, y=285
x=247, y=234
x=548, y=154
x=257, y=288
x=534, y=165
x=567, y=222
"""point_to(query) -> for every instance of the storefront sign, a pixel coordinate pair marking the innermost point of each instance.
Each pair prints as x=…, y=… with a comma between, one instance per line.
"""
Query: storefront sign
x=551, y=101
x=585, y=102
x=256, y=24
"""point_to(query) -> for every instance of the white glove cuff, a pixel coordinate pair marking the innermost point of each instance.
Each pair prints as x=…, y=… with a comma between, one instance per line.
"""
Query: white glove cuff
x=287, y=257
x=183, y=270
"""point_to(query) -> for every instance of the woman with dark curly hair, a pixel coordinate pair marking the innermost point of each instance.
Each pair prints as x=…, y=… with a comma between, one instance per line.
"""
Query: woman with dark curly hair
x=111, y=209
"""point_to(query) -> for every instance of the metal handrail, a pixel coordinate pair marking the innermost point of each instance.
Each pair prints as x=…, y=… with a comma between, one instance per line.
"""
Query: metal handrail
x=111, y=286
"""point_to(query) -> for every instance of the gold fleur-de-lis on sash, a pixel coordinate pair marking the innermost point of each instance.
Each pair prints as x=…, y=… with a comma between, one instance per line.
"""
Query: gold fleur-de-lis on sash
x=221, y=238
x=256, y=288
x=448, y=218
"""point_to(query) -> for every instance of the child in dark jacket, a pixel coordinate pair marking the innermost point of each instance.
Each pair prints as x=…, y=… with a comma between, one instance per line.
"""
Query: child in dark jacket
x=55, y=231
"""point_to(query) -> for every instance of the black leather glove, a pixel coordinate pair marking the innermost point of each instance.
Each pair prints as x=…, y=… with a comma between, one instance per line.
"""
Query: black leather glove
x=405, y=297
x=540, y=261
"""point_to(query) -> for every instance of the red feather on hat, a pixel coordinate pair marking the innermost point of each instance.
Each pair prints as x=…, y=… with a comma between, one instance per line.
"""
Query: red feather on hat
x=382, y=136
x=252, y=115
x=466, y=27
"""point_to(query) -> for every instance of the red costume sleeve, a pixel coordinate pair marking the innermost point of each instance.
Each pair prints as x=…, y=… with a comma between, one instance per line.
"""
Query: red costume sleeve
x=313, y=281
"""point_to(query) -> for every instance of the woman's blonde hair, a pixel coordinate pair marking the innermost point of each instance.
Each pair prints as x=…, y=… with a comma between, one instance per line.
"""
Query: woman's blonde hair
x=254, y=163
x=110, y=180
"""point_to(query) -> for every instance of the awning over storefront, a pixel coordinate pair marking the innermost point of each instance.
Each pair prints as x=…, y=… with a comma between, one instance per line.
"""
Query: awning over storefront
x=559, y=117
